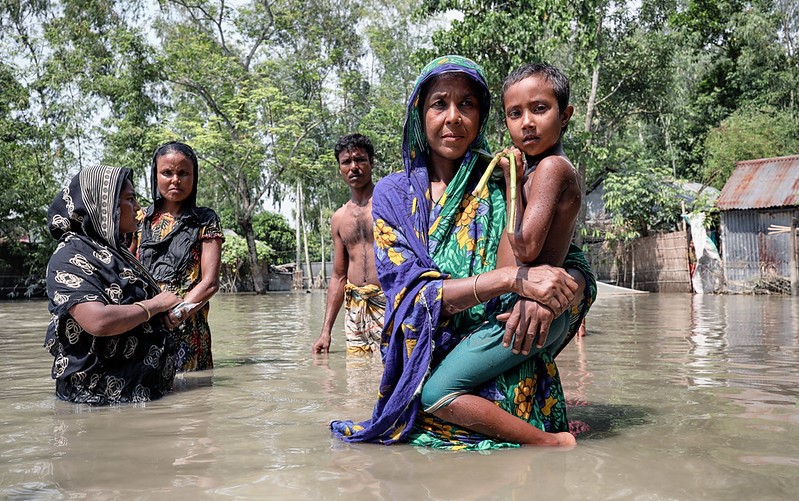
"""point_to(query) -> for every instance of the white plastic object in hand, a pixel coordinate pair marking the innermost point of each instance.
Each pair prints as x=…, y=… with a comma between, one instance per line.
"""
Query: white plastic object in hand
x=182, y=307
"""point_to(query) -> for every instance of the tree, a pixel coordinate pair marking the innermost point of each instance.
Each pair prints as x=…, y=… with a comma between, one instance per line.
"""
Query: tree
x=75, y=93
x=99, y=51
x=749, y=134
x=253, y=106
x=65, y=65
x=617, y=57
x=640, y=199
x=748, y=65
x=274, y=230
x=28, y=164
x=393, y=40
x=25, y=171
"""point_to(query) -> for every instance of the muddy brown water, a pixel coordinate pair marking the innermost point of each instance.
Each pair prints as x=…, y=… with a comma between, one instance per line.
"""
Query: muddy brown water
x=680, y=397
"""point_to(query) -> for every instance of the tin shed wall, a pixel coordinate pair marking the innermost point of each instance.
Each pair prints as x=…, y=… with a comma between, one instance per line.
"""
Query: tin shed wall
x=749, y=253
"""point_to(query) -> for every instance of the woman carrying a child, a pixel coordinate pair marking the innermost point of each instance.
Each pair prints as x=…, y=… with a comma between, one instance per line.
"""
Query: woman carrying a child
x=437, y=248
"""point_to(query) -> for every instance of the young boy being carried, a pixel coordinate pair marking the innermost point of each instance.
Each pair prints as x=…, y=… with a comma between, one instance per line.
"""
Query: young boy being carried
x=535, y=99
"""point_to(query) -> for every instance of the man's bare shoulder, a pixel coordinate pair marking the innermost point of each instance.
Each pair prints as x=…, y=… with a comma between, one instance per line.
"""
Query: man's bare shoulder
x=342, y=212
x=338, y=218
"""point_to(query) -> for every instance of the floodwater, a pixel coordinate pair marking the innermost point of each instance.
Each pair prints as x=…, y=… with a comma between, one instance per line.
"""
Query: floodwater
x=683, y=398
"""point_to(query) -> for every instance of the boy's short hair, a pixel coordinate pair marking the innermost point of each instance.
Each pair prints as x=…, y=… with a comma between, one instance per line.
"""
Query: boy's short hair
x=559, y=81
x=351, y=141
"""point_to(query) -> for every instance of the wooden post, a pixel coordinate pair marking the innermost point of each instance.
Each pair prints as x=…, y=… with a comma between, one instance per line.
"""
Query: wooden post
x=794, y=271
x=298, y=236
x=682, y=206
x=323, y=283
x=632, y=267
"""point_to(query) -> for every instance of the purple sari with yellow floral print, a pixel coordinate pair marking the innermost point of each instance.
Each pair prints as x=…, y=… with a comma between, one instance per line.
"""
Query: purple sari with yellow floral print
x=419, y=243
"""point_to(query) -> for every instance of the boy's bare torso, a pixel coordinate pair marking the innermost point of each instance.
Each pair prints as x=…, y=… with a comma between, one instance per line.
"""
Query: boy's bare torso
x=551, y=201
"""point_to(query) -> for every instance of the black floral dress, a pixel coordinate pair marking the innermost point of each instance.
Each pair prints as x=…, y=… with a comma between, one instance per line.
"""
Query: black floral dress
x=171, y=248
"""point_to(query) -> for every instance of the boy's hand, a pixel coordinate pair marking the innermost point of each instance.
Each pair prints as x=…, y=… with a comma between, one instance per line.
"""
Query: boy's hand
x=526, y=323
x=504, y=164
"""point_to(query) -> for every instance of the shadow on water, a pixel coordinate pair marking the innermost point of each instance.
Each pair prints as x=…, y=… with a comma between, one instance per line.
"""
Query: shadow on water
x=240, y=362
x=600, y=421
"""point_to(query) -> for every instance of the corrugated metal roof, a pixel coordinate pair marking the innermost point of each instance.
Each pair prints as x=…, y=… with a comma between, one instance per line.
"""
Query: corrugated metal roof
x=763, y=183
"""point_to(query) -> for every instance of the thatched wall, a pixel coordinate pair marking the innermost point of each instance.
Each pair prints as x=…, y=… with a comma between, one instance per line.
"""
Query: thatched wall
x=658, y=263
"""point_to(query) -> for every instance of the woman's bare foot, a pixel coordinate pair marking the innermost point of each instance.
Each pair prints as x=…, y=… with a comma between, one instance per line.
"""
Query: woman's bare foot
x=565, y=440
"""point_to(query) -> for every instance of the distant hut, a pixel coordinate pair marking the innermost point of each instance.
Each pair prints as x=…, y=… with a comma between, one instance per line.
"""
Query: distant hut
x=760, y=194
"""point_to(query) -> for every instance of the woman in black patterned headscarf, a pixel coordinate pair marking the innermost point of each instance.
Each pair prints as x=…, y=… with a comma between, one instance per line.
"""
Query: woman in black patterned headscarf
x=105, y=332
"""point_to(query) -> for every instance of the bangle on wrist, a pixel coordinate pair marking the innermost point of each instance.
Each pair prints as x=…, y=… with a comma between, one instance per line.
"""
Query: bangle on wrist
x=146, y=310
x=474, y=288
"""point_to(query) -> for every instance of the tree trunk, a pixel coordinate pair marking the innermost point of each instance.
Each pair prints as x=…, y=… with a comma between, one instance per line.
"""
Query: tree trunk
x=305, y=246
x=252, y=254
x=590, y=109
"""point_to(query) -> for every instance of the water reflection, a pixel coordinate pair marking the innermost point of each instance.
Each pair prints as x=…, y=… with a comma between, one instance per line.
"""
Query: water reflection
x=680, y=397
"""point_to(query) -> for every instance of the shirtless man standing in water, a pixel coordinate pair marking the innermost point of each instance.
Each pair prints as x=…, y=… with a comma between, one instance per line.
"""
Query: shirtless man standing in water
x=354, y=275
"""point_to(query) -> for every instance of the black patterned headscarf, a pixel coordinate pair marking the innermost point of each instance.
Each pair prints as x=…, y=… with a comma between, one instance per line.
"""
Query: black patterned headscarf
x=89, y=207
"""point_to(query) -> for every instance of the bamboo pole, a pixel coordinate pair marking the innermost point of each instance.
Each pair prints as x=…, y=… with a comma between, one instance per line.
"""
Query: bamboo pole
x=305, y=242
x=298, y=238
x=511, y=209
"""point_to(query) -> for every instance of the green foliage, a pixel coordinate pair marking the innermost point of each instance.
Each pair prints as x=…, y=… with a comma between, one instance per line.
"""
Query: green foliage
x=235, y=253
x=250, y=86
x=98, y=52
x=746, y=64
x=393, y=41
x=27, y=176
x=274, y=230
x=640, y=198
x=749, y=134
x=74, y=83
